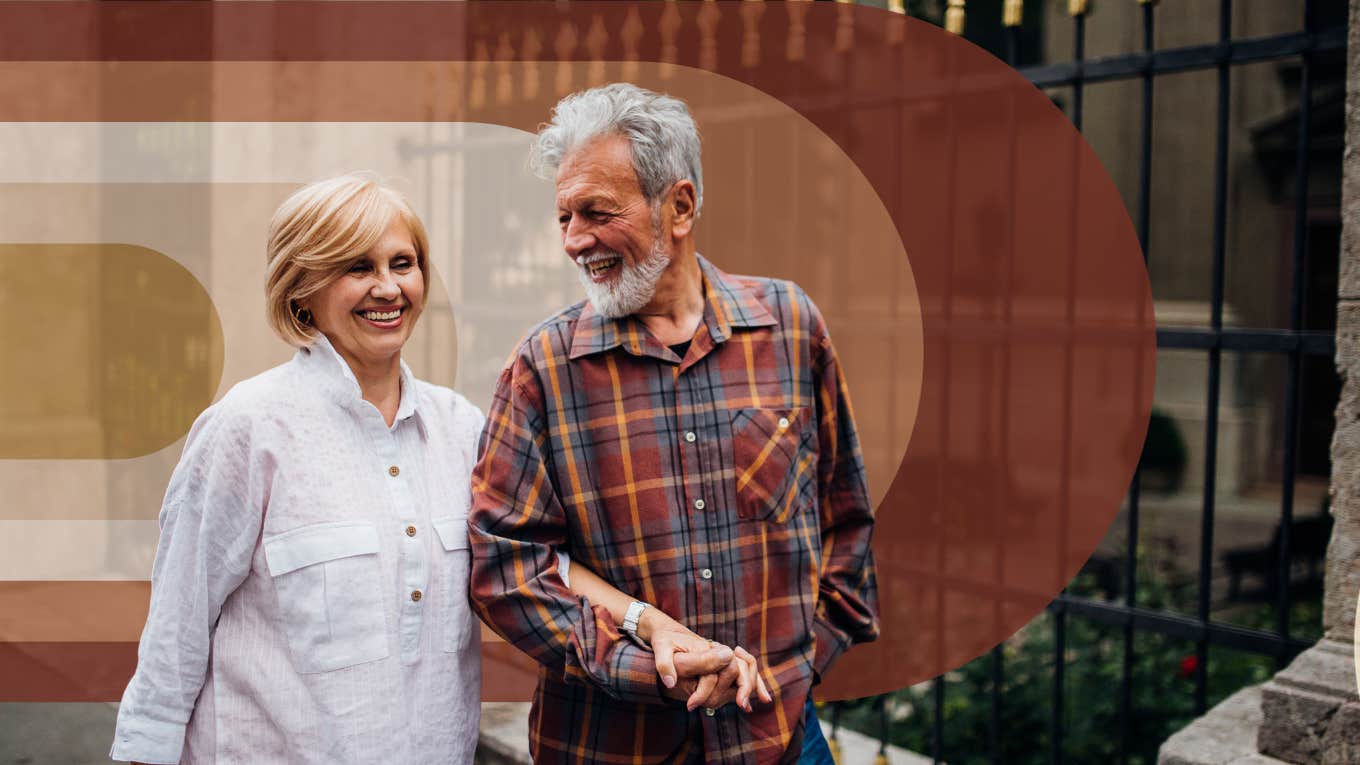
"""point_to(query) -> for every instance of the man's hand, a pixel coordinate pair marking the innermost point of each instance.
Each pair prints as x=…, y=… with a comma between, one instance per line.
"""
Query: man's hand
x=732, y=683
x=701, y=672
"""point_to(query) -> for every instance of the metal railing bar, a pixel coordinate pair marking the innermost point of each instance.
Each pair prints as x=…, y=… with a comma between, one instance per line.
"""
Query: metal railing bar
x=1173, y=60
x=1059, y=680
x=1058, y=720
x=937, y=727
x=1144, y=225
x=1262, y=340
x=965, y=330
x=997, y=676
x=996, y=669
x=1291, y=383
x=1180, y=626
x=1206, y=537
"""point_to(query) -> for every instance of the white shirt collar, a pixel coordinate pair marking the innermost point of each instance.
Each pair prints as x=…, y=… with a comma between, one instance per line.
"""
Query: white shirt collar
x=339, y=382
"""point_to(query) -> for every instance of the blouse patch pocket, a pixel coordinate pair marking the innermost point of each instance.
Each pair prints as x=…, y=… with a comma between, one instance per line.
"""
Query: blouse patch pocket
x=774, y=469
x=455, y=565
x=329, y=582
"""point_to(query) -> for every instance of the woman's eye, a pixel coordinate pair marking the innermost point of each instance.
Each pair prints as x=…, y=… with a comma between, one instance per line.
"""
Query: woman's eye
x=402, y=265
x=359, y=268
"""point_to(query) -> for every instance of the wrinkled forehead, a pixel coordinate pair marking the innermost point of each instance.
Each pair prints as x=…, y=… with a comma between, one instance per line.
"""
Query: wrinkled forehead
x=603, y=166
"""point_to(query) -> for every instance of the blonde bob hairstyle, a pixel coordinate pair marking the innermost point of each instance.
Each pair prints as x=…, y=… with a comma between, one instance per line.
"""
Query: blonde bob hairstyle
x=318, y=233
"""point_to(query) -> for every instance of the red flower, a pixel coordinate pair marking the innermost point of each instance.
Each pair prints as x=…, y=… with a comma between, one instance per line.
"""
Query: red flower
x=1188, y=666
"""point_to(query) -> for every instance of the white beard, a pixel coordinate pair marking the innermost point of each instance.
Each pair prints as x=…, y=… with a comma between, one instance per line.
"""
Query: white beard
x=634, y=288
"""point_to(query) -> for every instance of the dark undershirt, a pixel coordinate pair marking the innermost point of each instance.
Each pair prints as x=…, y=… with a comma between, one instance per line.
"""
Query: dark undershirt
x=681, y=349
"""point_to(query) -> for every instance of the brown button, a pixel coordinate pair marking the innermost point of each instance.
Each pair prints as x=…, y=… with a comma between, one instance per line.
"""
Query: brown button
x=410, y=531
x=394, y=471
x=415, y=595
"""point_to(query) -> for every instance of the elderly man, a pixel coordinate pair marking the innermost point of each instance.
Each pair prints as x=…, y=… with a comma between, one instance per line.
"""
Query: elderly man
x=687, y=435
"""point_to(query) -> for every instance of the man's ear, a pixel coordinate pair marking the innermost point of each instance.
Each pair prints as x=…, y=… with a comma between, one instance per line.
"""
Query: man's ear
x=681, y=201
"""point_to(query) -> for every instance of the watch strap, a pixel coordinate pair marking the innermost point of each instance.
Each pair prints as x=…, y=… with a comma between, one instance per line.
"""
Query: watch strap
x=631, y=617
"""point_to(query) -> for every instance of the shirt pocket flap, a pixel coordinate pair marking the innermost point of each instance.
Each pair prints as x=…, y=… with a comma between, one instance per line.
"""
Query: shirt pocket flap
x=318, y=543
x=453, y=533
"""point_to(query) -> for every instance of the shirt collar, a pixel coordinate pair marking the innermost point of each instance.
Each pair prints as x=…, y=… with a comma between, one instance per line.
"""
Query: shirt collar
x=728, y=304
x=338, y=382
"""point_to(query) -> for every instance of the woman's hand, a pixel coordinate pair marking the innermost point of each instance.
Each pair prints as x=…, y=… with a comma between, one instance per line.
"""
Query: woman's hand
x=717, y=675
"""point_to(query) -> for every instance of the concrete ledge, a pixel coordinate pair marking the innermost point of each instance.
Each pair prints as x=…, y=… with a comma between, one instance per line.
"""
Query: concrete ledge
x=504, y=740
x=1224, y=736
x=1308, y=714
x=1310, y=711
x=859, y=749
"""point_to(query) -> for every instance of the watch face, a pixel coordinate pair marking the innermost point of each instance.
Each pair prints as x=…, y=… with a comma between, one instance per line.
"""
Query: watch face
x=631, y=616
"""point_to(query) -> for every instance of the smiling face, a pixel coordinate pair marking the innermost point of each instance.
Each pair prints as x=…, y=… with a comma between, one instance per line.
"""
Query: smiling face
x=608, y=228
x=368, y=311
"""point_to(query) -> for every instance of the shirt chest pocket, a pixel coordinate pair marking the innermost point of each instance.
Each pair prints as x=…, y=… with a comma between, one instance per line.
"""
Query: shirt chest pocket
x=774, y=462
x=329, y=584
x=454, y=564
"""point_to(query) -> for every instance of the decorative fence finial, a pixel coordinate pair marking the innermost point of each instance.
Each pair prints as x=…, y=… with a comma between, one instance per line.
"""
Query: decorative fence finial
x=796, y=46
x=1078, y=7
x=751, y=11
x=631, y=33
x=1012, y=13
x=709, y=17
x=845, y=26
x=670, y=27
x=953, y=17
x=532, y=46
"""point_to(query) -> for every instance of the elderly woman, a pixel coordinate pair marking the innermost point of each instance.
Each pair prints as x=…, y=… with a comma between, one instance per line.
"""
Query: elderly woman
x=309, y=594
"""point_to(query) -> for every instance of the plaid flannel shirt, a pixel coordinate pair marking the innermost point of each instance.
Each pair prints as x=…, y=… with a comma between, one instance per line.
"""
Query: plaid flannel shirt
x=727, y=488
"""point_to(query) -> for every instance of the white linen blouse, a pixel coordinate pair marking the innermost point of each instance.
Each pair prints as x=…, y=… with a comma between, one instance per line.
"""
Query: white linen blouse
x=309, y=594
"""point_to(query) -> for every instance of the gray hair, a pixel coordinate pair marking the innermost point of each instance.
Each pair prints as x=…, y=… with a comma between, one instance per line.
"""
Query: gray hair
x=659, y=128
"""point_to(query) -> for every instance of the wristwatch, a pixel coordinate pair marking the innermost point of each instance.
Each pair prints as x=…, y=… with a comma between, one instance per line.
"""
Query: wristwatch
x=630, y=621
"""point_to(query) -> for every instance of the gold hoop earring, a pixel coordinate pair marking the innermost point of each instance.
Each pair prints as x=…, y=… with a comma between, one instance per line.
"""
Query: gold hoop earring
x=302, y=315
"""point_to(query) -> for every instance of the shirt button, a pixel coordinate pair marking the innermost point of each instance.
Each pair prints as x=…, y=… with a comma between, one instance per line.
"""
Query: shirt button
x=783, y=422
x=394, y=471
x=698, y=504
x=709, y=711
x=410, y=531
x=706, y=573
x=415, y=595
x=689, y=436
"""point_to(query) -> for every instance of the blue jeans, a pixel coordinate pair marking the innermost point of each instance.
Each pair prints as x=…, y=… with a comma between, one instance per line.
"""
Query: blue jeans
x=815, y=749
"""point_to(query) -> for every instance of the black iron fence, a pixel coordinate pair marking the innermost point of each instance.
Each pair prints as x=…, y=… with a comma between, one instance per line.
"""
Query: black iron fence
x=1305, y=341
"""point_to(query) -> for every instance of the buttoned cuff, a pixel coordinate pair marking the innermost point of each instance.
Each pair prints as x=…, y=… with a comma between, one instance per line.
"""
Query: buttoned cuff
x=149, y=741
x=633, y=674
x=600, y=656
x=830, y=644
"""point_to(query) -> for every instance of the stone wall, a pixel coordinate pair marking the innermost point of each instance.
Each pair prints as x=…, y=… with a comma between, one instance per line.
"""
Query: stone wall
x=1343, y=555
x=1309, y=713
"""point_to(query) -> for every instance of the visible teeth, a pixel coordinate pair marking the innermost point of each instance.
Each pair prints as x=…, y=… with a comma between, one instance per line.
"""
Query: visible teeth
x=381, y=316
x=600, y=266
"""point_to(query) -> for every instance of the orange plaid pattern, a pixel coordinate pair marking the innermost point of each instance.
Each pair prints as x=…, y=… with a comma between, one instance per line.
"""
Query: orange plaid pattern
x=727, y=488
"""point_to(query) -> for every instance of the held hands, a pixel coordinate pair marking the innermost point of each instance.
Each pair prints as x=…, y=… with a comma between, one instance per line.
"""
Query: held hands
x=699, y=671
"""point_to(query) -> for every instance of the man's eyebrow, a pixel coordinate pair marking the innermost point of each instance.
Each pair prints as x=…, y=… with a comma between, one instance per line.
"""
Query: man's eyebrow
x=588, y=201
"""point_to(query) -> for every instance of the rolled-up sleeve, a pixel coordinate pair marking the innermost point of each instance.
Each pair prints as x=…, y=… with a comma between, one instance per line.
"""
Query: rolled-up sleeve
x=209, y=527
x=847, y=604
x=516, y=527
